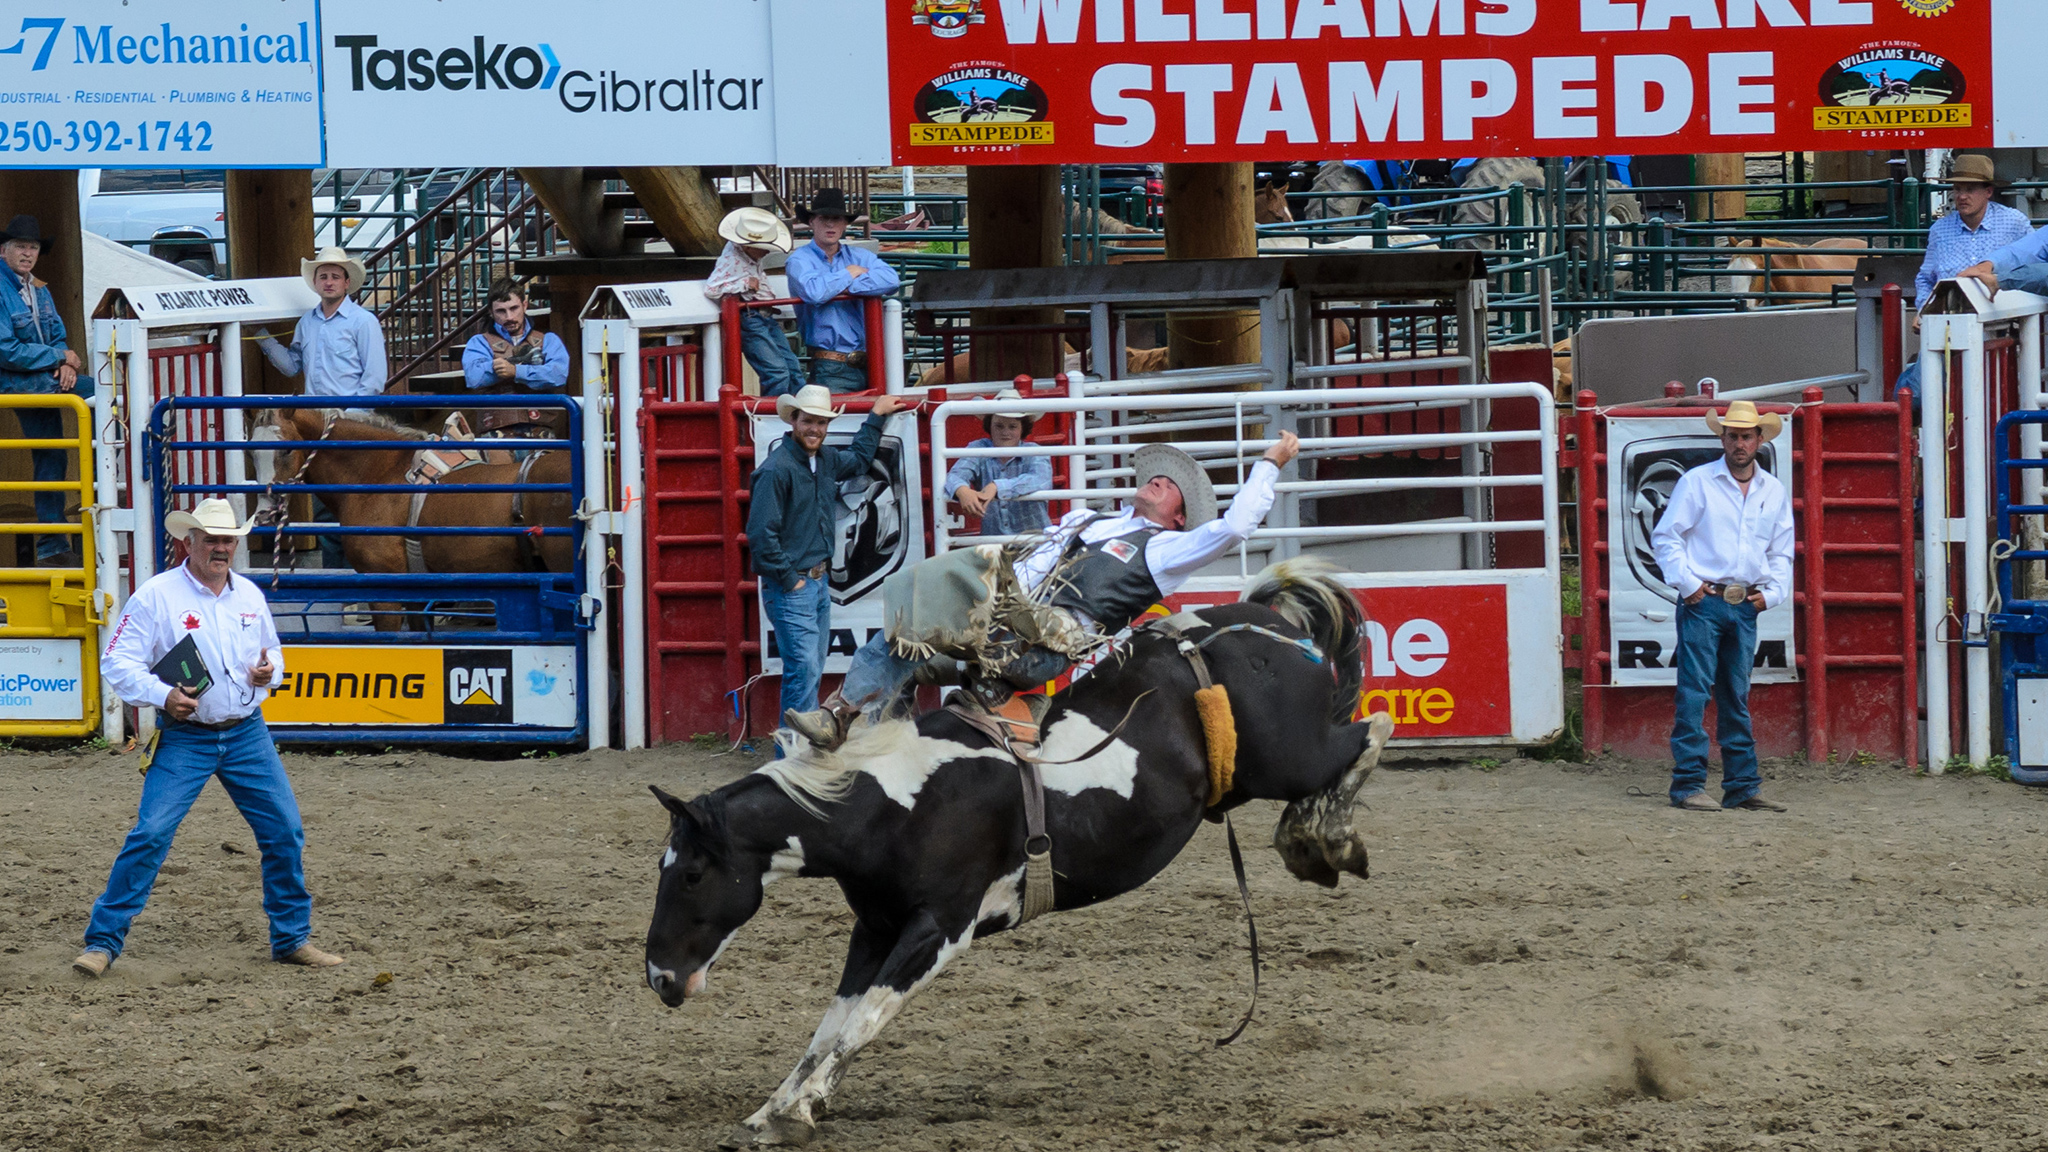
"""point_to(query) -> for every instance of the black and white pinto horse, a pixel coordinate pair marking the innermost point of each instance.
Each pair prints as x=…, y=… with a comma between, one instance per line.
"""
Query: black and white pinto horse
x=923, y=824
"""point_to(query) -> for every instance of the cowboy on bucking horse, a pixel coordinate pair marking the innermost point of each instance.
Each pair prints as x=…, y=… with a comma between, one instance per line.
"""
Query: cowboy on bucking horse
x=1021, y=616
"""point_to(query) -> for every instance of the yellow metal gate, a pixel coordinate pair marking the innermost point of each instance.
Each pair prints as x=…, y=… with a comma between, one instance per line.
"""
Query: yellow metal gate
x=50, y=616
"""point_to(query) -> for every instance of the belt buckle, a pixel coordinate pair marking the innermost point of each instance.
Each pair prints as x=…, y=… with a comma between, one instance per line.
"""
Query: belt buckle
x=1734, y=593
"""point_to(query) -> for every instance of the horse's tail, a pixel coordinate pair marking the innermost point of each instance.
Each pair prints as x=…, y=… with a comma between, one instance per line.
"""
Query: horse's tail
x=1306, y=595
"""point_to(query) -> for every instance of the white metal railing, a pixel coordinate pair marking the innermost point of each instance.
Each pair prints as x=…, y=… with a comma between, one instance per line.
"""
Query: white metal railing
x=1964, y=335
x=1273, y=411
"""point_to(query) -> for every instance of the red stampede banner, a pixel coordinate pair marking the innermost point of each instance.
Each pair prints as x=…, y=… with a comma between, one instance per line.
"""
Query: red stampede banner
x=1101, y=81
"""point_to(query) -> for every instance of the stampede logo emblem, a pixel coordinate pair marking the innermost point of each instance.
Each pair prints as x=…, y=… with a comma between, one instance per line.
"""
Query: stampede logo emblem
x=947, y=18
x=1928, y=8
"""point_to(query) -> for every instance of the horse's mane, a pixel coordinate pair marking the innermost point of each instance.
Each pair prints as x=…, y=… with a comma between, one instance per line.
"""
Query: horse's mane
x=810, y=776
x=375, y=425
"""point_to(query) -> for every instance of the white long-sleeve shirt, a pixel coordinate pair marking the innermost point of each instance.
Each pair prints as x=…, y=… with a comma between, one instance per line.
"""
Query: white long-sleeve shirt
x=730, y=275
x=1171, y=557
x=232, y=631
x=1712, y=533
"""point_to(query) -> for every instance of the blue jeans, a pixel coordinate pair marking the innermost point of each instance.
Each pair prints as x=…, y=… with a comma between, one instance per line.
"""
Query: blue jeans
x=803, y=628
x=877, y=676
x=839, y=376
x=1909, y=379
x=49, y=466
x=1716, y=649
x=766, y=347
x=186, y=758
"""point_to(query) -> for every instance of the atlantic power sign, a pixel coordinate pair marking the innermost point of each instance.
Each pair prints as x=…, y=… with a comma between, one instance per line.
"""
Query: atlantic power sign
x=1063, y=81
x=159, y=84
x=541, y=83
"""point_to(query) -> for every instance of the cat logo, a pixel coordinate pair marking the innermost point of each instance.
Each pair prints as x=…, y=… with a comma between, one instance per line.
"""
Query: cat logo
x=479, y=685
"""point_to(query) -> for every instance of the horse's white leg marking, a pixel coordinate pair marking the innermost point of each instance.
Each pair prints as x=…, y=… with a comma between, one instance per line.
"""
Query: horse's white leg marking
x=821, y=1042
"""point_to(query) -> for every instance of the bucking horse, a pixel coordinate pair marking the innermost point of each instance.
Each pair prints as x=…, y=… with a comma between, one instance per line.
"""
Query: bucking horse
x=926, y=827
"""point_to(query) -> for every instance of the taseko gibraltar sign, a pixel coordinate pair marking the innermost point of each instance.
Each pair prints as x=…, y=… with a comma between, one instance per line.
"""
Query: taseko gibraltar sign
x=1221, y=80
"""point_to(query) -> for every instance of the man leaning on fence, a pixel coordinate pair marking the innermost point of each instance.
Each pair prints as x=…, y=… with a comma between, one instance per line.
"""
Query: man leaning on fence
x=35, y=359
x=1724, y=544
x=1979, y=227
x=819, y=273
x=338, y=345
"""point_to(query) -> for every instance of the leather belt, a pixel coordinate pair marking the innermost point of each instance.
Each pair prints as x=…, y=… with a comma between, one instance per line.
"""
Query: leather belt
x=1732, y=593
x=839, y=357
x=819, y=571
x=223, y=726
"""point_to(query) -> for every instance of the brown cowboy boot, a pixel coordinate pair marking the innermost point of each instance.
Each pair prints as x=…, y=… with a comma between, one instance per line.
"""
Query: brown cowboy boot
x=826, y=727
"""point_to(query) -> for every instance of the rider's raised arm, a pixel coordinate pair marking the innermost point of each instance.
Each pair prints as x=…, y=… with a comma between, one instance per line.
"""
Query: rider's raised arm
x=1175, y=556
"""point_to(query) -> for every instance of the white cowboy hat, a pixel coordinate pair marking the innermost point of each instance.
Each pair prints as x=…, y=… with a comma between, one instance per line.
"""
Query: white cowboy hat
x=814, y=399
x=214, y=517
x=338, y=256
x=1029, y=418
x=756, y=226
x=1743, y=414
x=1197, y=495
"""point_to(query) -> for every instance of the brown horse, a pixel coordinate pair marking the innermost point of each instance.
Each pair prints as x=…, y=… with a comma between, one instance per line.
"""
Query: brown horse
x=309, y=464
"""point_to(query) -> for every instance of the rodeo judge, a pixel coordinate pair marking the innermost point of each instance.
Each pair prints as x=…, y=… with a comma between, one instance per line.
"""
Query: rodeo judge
x=211, y=727
x=1023, y=620
x=1725, y=544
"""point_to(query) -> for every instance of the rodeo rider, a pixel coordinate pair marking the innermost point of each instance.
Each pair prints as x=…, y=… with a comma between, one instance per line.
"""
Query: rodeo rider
x=513, y=355
x=218, y=733
x=1110, y=569
x=1725, y=544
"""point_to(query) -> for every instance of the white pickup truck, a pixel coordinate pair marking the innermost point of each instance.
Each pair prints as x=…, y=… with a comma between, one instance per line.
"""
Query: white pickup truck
x=179, y=215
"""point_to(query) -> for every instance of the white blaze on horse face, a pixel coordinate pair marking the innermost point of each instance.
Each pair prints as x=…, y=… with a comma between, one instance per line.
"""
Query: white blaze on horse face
x=668, y=858
x=785, y=863
x=1114, y=768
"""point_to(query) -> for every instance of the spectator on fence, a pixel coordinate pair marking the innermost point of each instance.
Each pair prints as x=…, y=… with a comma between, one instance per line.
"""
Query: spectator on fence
x=819, y=273
x=1725, y=544
x=210, y=724
x=339, y=345
x=511, y=352
x=789, y=527
x=1961, y=241
x=750, y=235
x=35, y=359
x=994, y=487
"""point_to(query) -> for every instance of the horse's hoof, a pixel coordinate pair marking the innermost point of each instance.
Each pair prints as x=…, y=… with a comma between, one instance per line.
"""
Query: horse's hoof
x=784, y=1132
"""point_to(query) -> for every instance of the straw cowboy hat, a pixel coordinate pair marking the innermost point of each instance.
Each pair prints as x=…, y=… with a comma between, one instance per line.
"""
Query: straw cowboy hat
x=1197, y=495
x=1971, y=169
x=214, y=517
x=813, y=399
x=756, y=226
x=1029, y=418
x=1743, y=414
x=337, y=256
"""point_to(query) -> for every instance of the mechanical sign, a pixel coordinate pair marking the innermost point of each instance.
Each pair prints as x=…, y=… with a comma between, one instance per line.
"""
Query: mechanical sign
x=160, y=84
x=1093, y=81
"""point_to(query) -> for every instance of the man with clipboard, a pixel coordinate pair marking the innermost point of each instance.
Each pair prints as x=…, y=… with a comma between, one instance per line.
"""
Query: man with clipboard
x=198, y=644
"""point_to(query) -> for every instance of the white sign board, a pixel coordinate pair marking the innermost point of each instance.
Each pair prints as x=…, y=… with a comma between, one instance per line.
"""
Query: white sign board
x=220, y=302
x=160, y=84
x=2019, y=40
x=878, y=530
x=1645, y=459
x=40, y=680
x=495, y=83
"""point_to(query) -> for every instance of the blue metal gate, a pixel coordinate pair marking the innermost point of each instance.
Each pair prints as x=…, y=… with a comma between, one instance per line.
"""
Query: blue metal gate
x=480, y=657
x=2021, y=625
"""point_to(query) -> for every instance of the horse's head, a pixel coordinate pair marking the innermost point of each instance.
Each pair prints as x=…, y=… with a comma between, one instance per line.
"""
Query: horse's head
x=708, y=888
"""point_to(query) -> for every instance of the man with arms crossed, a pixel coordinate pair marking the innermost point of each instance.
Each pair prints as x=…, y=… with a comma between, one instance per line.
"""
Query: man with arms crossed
x=1725, y=543
x=219, y=733
x=819, y=273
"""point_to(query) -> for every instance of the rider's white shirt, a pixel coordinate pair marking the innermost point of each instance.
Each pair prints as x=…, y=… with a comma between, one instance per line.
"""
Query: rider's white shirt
x=1172, y=557
x=232, y=631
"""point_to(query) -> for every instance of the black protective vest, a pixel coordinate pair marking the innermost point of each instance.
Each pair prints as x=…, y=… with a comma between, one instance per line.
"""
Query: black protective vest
x=1109, y=579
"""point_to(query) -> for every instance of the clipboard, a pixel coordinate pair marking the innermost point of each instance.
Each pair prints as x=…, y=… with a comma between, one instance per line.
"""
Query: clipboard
x=182, y=667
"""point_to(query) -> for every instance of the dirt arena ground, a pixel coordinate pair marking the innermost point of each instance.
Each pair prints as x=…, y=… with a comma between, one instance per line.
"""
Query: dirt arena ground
x=1540, y=960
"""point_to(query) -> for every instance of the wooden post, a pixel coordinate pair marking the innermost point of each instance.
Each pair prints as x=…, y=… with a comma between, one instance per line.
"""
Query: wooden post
x=1721, y=168
x=1013, y=221
x=1209, y=217
x=577, y=205
x=683, y=204
x=270, y=230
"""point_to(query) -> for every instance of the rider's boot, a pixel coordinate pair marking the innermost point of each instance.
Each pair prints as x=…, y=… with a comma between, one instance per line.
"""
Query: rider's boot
x=826, y=727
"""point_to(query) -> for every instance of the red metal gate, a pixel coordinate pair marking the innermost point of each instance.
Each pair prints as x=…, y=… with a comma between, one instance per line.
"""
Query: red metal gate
x=1853, y=599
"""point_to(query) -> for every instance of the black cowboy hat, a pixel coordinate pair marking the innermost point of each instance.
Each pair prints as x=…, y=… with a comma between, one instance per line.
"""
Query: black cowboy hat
x=25, y=228
x=826, y=202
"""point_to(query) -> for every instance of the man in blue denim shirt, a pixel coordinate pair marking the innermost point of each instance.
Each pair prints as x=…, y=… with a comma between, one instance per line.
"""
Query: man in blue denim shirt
x=819, y=273
x=34, y=358
x=994, y=487
x=789, y=529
